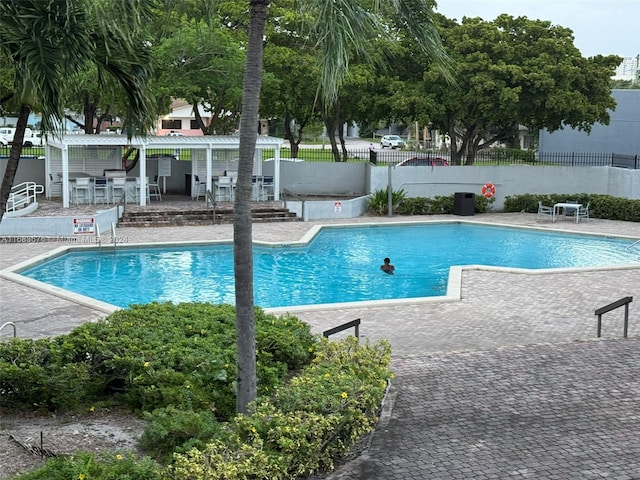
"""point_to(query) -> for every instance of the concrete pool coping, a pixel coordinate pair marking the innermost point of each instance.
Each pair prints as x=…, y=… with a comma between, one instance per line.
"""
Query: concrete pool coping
x=454, y=284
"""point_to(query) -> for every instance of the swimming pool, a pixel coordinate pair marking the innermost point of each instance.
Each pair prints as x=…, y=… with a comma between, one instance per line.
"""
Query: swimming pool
x=339, y=264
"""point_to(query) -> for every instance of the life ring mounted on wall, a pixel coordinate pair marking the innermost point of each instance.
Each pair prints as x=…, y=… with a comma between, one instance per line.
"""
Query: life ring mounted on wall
x=488, y=190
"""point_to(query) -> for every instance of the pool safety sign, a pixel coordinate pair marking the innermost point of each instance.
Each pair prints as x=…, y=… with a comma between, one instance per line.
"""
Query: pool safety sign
x=84, y=226
x=337, y=207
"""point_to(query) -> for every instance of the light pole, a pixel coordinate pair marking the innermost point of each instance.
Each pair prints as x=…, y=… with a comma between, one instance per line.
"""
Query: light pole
x=389, y=191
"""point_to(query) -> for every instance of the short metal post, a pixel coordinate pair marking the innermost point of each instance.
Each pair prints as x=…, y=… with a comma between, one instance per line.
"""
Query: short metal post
x=599, y=325
x=389, y=191
x=626, y=319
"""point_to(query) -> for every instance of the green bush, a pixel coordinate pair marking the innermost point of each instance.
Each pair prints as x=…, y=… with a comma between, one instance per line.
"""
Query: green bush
x=379, y=201
x=438, y=205
x=600, y=206
x=89, y=466
x=297, y=427
x=148, y=357
x=36, y=374
x=512, y=155
x=171, y=430
x=304, y=425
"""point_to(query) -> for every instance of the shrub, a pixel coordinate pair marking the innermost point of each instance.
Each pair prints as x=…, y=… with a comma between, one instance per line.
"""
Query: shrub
x=88, y=466
x=438, y=205
x=379, y=201
x=600, y=206
x=171, y=430
x=148, y=357
x=304, y=425
x=295, y=429
x=35, y=373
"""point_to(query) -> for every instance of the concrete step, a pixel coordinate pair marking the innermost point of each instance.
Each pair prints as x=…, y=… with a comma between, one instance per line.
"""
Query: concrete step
x=201, y=217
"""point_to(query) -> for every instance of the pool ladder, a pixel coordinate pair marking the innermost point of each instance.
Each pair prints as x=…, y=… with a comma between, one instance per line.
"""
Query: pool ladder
x=9, y=324
x=629, y=247
x=113, y=236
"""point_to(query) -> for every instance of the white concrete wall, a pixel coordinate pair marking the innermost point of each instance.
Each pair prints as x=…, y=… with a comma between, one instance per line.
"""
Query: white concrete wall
x=328, y=209
x=57, y=226
x=508, y=180
x=358, y=179
x=321, y=178
x=29, y=170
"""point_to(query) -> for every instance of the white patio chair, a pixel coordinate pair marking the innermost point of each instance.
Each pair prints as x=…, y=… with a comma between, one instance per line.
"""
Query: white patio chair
x=544, y=211
x=224, y=188
x=256, y=187
x=154, y=189
x=81, y=185
x=119, y=187
x=100, y=190
x=53, y=182
x=568, y=211
x=199, y=188
x=266, y=189
x=583, y=212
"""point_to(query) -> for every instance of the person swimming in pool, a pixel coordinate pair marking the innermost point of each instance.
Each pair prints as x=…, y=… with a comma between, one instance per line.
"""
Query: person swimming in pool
x=386, y=267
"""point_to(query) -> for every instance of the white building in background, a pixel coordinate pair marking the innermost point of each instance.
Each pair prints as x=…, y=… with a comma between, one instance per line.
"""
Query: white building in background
x=628, y=69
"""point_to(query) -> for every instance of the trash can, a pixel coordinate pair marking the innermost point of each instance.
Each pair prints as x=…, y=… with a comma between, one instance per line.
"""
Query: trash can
x=187, y=184
x=464, y=204
x=373, y=156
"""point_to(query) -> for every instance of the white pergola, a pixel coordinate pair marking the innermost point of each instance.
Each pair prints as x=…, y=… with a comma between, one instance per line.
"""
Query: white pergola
x=202, y=148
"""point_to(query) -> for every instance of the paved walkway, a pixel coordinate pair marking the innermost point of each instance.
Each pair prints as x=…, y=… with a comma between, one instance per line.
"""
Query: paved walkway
x=508, y=382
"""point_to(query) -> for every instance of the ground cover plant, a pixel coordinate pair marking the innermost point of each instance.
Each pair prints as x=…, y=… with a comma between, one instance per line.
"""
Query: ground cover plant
x=174, y=366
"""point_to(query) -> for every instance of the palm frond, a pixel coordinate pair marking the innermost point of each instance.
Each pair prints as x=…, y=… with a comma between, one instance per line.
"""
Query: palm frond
x=343, y=29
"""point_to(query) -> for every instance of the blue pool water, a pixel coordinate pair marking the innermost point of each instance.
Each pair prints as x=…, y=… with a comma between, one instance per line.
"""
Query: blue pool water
x=339, y=265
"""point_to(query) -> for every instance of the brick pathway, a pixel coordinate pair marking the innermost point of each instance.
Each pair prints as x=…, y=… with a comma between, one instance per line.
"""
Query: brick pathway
x=508, y=382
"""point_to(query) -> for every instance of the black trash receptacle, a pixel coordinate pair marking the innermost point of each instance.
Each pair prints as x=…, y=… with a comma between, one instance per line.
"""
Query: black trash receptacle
x=187, y=184
x=373, y=156
x=464, y=203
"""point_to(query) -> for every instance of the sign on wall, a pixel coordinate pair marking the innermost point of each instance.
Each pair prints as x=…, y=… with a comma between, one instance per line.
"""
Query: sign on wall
x=84, y=226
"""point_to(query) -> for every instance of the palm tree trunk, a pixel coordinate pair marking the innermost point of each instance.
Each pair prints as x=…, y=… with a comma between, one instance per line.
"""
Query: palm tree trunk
x=242, y=235
x=14, y=158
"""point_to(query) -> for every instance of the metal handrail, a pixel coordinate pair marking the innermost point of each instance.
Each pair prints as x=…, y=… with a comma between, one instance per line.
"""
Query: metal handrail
x=113, y=235
x=23, y=194
x=612, y=306
x=6, y=324
x=353, y=323
x=211, y=199
x=98, y=237
x=123, y=202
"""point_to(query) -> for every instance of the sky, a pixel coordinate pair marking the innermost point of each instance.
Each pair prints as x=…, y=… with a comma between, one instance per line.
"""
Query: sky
x=600, y=27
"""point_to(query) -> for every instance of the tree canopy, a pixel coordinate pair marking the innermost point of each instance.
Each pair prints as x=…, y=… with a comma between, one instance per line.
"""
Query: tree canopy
x=511, y=72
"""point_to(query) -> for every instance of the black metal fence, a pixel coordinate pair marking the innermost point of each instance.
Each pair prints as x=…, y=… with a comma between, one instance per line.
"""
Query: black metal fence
x=27, y=152
x=421, y=157
x=387, y=156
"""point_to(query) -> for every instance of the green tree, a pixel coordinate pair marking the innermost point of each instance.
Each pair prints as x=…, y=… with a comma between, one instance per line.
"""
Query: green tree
x=51, y=42
x=289, y=88
x=202, y=63
x=340, y=29
x=515, y=71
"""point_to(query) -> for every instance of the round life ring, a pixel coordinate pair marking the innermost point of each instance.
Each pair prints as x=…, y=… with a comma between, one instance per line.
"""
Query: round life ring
x=488, y=190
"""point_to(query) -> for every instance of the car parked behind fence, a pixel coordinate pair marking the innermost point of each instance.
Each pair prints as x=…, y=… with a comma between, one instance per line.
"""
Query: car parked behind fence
x=424, y=161
x=392, y=141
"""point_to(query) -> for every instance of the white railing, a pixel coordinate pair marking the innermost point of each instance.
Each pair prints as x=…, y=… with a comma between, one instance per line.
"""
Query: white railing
x=22, y=195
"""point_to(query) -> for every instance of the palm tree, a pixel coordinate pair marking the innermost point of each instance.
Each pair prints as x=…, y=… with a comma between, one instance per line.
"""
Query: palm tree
x=341, y=28
x=70, y=35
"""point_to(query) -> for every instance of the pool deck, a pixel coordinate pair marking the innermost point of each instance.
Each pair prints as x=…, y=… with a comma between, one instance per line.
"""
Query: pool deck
x=509, y=381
